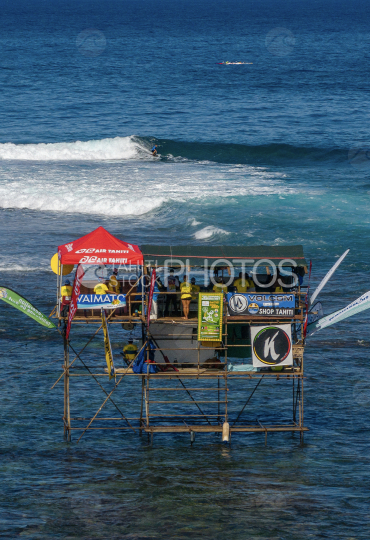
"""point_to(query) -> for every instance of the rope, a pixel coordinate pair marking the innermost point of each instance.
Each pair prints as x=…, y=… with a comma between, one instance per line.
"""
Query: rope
x=248, y=400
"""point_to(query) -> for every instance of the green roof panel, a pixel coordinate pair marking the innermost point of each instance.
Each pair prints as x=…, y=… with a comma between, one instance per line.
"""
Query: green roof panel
x=196, y=255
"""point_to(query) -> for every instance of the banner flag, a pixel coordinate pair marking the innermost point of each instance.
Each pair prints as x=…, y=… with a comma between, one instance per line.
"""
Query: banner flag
x=362, y=303
x=327, y=277
x=19, y=302
x=107, y=346
x=150, y=299
x=210, y=312
x=75, y=294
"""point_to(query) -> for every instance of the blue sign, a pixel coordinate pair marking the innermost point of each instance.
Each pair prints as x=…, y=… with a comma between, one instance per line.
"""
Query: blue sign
x=96, y=301
x=257, y=304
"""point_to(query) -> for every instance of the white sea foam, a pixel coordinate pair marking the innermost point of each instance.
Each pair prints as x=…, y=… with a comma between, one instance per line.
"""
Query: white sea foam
x=194, y=222
x=123, y=187
x=96, y=150
x=208, y=232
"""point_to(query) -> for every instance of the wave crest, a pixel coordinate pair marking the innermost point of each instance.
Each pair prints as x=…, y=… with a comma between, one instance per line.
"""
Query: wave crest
x=118, y=148
x=208, y=232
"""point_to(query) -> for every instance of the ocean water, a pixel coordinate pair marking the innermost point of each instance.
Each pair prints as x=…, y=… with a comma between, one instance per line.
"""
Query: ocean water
x=273, y=152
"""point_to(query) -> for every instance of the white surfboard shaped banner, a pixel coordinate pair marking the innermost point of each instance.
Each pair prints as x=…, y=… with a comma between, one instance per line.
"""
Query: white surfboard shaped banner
x=361, y=304
x=327, y=277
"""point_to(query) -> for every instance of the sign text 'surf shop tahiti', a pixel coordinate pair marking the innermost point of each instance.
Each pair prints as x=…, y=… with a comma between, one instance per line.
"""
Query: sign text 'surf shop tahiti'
x=281, y=304
x=210, y=316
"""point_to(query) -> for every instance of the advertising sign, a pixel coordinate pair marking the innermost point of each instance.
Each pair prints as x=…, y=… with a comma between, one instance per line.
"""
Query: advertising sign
x=261, y=304
x=361, y=304
x=75, y=294
x=107, y=301
x=16, y=300
x=150, y=299
x=107, y=346
x=272, y=345
x=210, y=310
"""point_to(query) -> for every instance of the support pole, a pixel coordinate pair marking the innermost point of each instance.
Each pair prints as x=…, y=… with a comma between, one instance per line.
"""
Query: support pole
x=67, y=412
x=147, y=397
x=294, y=415
x=142, y=403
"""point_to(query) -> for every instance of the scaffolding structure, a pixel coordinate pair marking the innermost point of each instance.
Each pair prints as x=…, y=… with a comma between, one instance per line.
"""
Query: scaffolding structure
x=195, y=396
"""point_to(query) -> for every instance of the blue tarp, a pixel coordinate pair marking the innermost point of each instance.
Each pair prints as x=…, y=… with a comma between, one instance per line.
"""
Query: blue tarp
x=139, y=365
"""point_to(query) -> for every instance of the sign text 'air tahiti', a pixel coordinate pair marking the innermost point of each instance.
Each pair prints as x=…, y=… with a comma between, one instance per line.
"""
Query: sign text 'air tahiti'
x=110, y=256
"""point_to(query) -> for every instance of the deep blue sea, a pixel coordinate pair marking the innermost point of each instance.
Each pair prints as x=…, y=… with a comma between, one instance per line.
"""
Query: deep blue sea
x=275, y=151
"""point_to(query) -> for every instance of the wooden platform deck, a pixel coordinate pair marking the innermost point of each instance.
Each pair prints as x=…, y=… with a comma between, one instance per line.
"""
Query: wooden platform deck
x=206, y=372
x=218, y=429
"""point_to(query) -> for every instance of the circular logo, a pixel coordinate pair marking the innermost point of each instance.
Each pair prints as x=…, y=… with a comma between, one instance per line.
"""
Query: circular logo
x=271, y=345
x=238, y=303
x=3, y=293
x=253, y=308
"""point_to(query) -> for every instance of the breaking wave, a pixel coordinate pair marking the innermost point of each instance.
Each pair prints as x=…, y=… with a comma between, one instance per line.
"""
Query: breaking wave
x=138, y=148
x=119, y=148
x=209, y=232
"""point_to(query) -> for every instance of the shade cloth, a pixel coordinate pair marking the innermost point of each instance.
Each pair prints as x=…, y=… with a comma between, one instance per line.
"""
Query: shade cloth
x=100, y=247
x=157, y=255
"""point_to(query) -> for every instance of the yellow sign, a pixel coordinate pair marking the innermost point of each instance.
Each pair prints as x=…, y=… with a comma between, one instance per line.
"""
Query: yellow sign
x=210, y=311
x=55, y=266
x=107, y=347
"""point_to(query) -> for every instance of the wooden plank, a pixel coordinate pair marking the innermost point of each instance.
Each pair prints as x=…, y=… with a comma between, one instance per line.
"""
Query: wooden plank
x=218, y=429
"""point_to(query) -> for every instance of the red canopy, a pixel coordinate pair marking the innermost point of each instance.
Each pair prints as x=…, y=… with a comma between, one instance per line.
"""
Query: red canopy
x=99, y=247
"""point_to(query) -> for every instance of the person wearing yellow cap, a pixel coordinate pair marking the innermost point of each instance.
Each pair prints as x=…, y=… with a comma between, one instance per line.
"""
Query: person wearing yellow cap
x=66, y=294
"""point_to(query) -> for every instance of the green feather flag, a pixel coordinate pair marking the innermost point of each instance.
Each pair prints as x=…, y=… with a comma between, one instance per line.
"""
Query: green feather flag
x=19, y=302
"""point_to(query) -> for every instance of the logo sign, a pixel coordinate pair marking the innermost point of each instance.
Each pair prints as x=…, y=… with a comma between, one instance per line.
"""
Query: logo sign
x=210, y=309
x=278, y=304
x=272, y=345
x=238, y=303
x=107, y=301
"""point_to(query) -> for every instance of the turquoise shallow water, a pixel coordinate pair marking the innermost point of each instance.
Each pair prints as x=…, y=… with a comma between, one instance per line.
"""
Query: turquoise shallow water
x=270, y=153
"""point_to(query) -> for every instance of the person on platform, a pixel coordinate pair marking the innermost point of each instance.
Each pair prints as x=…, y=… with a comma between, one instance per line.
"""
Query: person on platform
x=172, y=285
x=114, y=284
x=276, y=286
x=185, y=288
x=129, y=351
x=195, y=289
x=66, y=293
x=219, y=286
x=242, y=284
x=102, y=288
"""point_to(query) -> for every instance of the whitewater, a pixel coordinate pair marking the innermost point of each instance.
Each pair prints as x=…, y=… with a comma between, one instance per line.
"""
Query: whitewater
x=120, y=177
